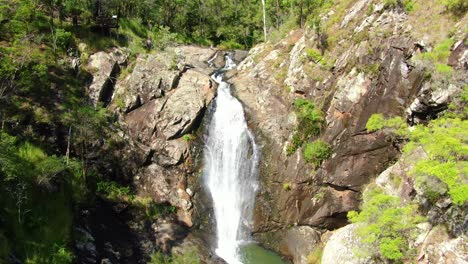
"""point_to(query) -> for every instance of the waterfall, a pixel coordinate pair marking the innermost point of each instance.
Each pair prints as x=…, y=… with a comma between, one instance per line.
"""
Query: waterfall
x=231, y=159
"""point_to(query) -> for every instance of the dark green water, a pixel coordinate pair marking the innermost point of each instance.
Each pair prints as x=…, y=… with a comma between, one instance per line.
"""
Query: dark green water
x=255, y=254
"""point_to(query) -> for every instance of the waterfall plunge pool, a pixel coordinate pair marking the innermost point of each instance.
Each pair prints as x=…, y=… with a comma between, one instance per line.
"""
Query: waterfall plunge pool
x=254, y=254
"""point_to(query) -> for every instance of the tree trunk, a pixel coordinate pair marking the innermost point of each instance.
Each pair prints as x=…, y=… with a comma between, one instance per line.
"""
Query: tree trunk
x=264, y=21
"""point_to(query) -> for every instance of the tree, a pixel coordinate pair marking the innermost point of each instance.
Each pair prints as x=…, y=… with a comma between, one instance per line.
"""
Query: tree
x=264, y=20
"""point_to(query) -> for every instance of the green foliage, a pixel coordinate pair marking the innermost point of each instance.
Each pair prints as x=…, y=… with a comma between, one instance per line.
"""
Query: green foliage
x=391, y=3
x=316, y=152
x=443, y=68
x=439, y=57
x=457, y=7
x=188, y=257
x=287, y=186
x=441, y=52
x=314, y=55
x=408, y=5
x=113, y=191
x=64, y=38
x=158, y=210
x=310, y=121
x=188, y=137
x=386, y=225
x=230, y=45
x=375, y=122
x=163, y=38
x=36, y=218
x=445, y=142
x=62, y=255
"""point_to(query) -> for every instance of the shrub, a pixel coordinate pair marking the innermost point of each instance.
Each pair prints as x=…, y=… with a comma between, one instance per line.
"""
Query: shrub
x=188, y=137
x=157, y=210
x=408, y=5
x=62, y=255
x=64, y=39
x=163, y=38
x=375, y=122
x=441, y=52
x=287, y=186
x=443, y=68
x=310, y=121
x=314, y=55
x=230, y=45
x=457, y=7
x=444, y=140
x=316, y=152
x=113, y=191
x=387, y=226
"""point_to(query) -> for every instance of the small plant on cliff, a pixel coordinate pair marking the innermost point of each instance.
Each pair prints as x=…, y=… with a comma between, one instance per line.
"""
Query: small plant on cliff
x=188, y=137
x=287, y=186
x=386, y=225
x=316, y=152
x=310, y=121
x=114, y=191
x=314, y=55
x=375, y=122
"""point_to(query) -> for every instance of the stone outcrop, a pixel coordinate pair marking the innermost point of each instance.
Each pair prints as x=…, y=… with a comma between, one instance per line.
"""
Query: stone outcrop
x=184, y=108
x=152, y=76
x=341, y=246
x=104, y=67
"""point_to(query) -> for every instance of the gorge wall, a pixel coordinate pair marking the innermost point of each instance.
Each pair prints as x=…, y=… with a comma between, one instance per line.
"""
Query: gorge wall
x=369, y=62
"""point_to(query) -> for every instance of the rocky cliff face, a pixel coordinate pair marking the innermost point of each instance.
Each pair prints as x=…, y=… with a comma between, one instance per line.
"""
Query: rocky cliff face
x=160, y=100
x=365, y=59
x=374, y=68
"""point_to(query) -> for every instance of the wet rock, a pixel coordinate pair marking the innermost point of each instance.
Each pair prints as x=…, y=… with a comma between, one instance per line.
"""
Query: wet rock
x=301, y=241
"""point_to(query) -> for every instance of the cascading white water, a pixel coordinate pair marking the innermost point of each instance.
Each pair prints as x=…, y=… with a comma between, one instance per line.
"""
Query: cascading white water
x=231, y=158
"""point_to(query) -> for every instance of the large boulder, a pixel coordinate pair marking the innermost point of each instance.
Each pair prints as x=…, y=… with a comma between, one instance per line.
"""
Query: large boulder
x=341, y=246
x=295, y=243
x=152, y=76
x=184, y=108
x=104, y=69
